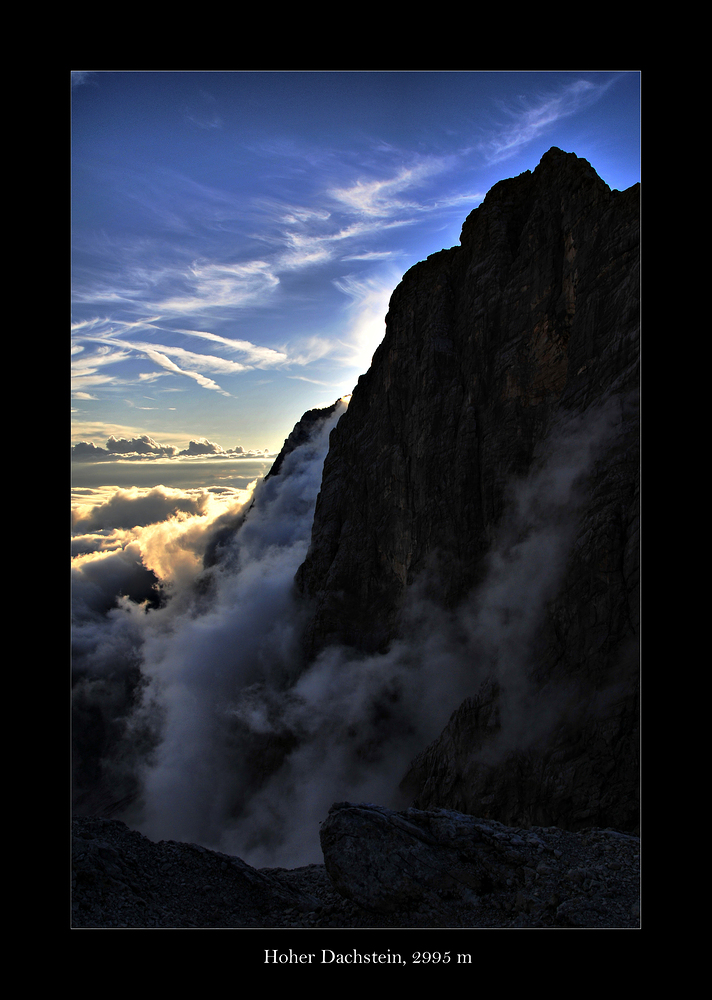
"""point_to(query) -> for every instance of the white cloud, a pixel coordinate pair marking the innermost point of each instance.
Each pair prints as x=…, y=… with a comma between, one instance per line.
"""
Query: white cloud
x=258, y=356
x=531, y=118
x=380, y=198
x=164, y=362
x=86, y=367
x=203, y=447
x=210, y=285
x=372, y=255
x=135, y=507
x=201, y=362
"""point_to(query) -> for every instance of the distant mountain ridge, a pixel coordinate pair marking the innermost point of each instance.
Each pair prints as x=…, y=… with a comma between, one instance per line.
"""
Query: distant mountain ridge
x=516, y=349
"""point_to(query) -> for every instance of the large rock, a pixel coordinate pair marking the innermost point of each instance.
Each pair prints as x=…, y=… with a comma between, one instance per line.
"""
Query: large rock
x=389, y=861
x=465, y=870
x=522, y=340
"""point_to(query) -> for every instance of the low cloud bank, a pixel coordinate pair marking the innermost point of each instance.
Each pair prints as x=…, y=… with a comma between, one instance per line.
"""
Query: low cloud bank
x=144, y=448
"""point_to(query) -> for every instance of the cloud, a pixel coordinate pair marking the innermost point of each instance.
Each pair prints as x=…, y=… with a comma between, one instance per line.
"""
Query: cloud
x=306, y=350
x=87, y=451
x=203, y=447
x=164, y=362
x=239, y=452
x=85, y=367
x=115, y=349
x=243, y=608
x=117, y=577
x=103, y=540
x=100, y=578
x=257, y=356
x=201, y=362
x=530, y=118
x=106, y=429
x=342, y=221
x=372, y=255
x=380, y=198
x=221, y=658
x=143, y=445
x=305, y=249
x=355, y=213
x=176, y=286
x=142, y=448
x=356, y=721
x=210, y=285
x=313, y=381
x=128, y=508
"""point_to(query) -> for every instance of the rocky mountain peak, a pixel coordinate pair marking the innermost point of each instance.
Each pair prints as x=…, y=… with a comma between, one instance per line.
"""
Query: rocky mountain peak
x=514, y=353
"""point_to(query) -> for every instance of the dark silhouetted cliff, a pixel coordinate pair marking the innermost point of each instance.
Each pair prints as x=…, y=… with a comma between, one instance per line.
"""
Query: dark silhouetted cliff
x=511, y=359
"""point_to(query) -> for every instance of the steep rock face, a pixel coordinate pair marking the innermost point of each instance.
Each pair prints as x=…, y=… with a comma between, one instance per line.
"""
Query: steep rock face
x=492, y=350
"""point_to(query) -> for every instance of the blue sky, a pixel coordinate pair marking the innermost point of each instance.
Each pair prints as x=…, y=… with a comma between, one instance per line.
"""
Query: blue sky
x=237, y=236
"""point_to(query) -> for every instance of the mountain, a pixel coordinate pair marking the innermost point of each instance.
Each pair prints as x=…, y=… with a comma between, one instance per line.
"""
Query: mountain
x=488, y=463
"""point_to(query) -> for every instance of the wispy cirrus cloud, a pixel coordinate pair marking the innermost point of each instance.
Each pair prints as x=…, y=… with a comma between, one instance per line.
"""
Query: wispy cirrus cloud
x=86, y=374
x=305, y=247
x=201, y=362
x=345, y=218
x=178, y=203
x=165, y=362
x=379, y=198
x=207, y=285
x=86, y=369
x=114, y=349
x=158, y=276
x=530, y=118
x=259, y=357
x=339, y=221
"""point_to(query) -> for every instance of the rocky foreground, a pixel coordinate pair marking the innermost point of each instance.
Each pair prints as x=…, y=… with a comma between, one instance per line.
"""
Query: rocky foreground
x=382, y=869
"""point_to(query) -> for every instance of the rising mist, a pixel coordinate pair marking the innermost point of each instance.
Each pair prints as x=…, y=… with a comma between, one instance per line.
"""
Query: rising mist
x=216, y=731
